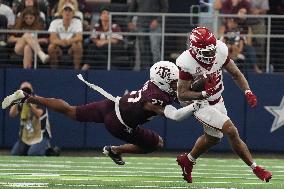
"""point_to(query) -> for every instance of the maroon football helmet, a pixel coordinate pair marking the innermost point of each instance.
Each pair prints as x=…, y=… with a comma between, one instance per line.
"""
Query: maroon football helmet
x=202, y=44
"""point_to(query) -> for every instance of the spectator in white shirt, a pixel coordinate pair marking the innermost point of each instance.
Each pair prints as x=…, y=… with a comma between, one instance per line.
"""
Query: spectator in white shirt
x=66, y=33
x=8, y=13
x=258, y=26
x=78, y=14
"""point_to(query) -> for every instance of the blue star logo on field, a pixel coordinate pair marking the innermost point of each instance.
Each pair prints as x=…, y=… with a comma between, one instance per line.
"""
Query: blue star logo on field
x=278, y=112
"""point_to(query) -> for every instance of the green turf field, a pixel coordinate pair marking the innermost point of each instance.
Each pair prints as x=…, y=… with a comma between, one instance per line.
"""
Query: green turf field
x=139, y=172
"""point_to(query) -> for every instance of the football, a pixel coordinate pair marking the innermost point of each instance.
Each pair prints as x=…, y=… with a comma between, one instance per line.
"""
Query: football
x=198, y=83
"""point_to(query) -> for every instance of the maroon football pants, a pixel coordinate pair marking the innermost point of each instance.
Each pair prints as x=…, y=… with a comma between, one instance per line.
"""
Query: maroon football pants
x=104, y=112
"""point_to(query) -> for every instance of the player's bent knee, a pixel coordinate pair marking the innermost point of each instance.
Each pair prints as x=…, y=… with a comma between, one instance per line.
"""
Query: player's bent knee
x=18, y=50
x=230, y=130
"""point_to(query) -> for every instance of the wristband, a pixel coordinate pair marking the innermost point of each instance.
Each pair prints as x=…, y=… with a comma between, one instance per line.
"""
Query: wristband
x=247, y=91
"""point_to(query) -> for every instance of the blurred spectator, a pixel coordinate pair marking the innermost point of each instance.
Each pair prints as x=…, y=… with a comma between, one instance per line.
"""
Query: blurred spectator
x=35, y=131
x=84, y=18
x=61, y=3
x=277, y=27
x=240, y=48
x=217, y=4
x=8, y=13
x=43, y=6
x=83, y=7
x=258, y=25
x=148, y=24
x=98, y=49
x=15, y=7
x=7, y=20
x=240, y=7
x=3, y=41
x=34, y=4
x=7, y=2
x=27, y=43
x=3, y=36
x=87, y=21
x=66, y=34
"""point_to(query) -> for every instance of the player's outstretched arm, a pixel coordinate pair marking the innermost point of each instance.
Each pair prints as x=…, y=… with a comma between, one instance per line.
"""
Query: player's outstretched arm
x=242, y=82
x=182, y=113
x=57, y=105
x=237, y=75
x=171, y=112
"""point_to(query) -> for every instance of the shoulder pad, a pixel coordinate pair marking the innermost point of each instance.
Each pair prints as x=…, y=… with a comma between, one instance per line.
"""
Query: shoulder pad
x=185, y=62
x=222, y=49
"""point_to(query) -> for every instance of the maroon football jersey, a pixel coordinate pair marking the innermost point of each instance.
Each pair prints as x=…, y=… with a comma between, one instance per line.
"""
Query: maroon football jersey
x=131, y=104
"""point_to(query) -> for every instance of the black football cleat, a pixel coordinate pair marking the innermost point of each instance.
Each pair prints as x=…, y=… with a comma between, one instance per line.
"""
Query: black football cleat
x=116, y=158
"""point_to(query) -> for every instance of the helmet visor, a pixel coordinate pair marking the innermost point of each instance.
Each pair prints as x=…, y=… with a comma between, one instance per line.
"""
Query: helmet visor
x=209, y=53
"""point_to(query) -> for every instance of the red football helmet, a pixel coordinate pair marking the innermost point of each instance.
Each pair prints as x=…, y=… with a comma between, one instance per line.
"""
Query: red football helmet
x=202, y=43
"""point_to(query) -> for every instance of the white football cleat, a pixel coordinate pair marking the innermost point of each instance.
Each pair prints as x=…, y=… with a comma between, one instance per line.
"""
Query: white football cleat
x=15, y=98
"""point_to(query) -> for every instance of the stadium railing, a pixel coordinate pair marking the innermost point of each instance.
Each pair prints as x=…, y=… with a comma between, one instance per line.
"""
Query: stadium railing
x=174, y=40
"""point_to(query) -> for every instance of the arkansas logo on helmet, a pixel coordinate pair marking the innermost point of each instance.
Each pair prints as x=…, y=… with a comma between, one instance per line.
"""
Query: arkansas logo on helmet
x=202, y=44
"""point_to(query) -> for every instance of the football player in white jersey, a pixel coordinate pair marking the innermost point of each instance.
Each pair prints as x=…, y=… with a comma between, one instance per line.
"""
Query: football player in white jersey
x=208, y=56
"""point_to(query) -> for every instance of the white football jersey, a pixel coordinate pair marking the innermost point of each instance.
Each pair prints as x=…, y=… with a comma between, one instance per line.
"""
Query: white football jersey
x=189, y=65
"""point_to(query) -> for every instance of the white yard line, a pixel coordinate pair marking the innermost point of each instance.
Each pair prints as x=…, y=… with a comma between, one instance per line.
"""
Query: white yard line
x=24, y=184
x=114, y=168
x=90, y=177
x=175, y=166
x=122, y=171
x=195, y=172
x=45, y=185
x=150, y=159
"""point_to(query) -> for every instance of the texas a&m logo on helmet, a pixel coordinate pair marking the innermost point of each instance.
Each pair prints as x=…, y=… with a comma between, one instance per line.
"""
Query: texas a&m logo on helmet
x=162, y=74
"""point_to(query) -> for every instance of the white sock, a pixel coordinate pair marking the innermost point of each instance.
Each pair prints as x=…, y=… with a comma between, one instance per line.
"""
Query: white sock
x=192, y=159
x=253, y=165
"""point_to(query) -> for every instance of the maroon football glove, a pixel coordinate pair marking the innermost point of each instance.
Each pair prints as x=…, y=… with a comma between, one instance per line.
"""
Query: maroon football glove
x=210, y=85
x=251, y=98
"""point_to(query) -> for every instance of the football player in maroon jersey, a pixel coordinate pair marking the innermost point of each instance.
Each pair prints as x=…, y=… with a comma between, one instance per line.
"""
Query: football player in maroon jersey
x=123, y=116
x=208, y=56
